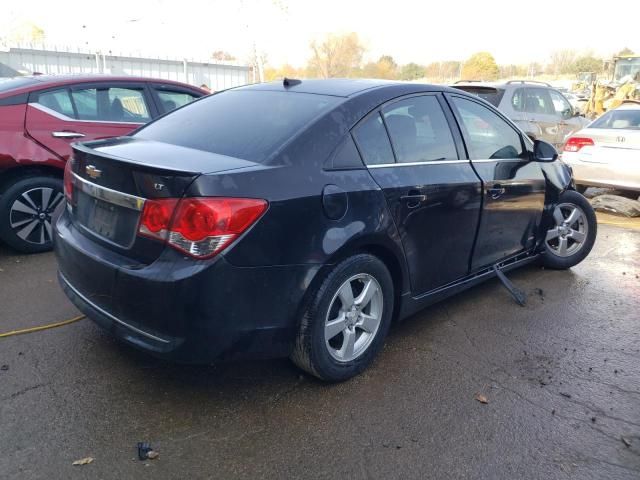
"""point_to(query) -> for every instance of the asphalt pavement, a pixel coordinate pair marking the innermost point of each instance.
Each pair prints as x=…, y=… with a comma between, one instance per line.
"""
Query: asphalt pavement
x=561, y=377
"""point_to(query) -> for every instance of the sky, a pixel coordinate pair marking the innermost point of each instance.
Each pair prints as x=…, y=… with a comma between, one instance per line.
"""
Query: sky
x=410, y=31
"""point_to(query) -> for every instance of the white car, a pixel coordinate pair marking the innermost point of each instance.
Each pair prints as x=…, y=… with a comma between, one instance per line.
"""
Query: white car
x=607, y=152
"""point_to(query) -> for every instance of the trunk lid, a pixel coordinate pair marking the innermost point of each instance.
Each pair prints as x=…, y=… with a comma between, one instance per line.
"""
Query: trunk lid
x=113, y=178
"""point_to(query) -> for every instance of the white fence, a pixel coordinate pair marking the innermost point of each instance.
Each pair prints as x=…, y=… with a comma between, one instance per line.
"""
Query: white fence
x=216, y=76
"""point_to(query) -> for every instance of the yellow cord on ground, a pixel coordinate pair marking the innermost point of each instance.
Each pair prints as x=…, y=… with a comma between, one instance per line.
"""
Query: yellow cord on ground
x=42, y=327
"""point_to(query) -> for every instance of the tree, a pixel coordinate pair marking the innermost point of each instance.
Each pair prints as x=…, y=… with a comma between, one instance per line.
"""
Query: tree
x=588, y=63
x=562, y=61
x=480, y=66
x=412, y=71
x=336, y=56
x=286, y=70
x=221, y=55
x=513, y=71
x=385, y=67
x=625, y=51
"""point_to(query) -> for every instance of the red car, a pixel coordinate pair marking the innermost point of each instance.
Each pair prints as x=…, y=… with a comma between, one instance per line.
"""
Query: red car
x=41, y=116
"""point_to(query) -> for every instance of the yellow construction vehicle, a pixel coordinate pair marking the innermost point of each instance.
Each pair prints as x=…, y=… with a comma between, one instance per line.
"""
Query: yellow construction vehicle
x=623, y=84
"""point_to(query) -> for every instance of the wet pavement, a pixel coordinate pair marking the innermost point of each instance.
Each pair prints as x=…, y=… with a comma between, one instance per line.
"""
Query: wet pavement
x=561, y=376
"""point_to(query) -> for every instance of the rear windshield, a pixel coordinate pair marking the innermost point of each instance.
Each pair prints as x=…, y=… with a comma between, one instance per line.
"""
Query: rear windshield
x=245, y=124
x=491, y=95
x=619, y=119
x=7, y=84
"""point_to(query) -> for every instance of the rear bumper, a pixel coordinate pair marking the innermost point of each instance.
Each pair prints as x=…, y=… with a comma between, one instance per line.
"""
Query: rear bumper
x=597, y=170
x=181, y=309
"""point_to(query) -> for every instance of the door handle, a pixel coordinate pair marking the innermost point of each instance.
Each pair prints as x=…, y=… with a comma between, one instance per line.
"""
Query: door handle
x=413, y=200
x=65, y=134
x=496, y=191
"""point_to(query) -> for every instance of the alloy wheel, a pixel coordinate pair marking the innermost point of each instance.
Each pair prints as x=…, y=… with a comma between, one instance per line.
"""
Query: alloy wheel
x=570, y=231
x=354, y=317
x=30, y=214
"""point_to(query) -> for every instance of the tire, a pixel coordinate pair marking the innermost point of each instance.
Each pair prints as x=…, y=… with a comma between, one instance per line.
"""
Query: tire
x=324, y=350
x=26, y=208
x=573, y=233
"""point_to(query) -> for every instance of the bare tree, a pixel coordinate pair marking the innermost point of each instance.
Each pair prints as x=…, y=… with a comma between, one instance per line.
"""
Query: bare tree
x=336, y=56
x=562, y=61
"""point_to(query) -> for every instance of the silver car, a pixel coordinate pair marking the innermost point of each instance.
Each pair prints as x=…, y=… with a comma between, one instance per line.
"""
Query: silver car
x=607, y=152
x=541, y=111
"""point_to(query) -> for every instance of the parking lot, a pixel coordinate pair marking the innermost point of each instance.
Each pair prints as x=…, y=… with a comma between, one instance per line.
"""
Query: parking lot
x=560, y=376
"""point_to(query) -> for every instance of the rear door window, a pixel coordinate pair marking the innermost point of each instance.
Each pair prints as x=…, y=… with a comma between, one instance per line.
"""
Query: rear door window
x=246, y=124
x=373, y=141
x=539, y=101
x=58, y=101
x=419, y=130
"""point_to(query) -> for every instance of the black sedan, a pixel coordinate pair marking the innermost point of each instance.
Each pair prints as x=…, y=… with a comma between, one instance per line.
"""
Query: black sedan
x=302, y=218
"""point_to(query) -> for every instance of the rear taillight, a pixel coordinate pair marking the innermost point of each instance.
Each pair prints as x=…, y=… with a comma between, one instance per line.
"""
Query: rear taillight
x=574, y=144
x=200, y=227
x=68, y=181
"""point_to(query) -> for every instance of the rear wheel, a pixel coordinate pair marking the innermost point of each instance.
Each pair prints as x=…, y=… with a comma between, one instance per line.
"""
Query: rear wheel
x=573, y=234
x=346, y=320
x=26, y=209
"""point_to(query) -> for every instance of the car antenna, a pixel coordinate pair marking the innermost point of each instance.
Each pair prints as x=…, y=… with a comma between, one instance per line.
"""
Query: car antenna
x=518, y=295
x=290, y=82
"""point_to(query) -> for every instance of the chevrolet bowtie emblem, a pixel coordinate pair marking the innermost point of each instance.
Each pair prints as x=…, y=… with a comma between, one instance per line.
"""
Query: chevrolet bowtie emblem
x=93, y=172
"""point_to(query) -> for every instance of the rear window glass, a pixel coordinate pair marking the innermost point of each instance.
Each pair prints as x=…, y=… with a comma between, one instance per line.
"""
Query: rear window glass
x=7, y=84
x=619, y=119
x=245, y=124
x=491, y=95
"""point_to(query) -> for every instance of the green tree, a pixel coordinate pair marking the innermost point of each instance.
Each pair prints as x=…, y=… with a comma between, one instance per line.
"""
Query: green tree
x=625, y=51
x=588, y=63
x=411, y=71
x=480, y=66
x=385, y=67
x=336, y=56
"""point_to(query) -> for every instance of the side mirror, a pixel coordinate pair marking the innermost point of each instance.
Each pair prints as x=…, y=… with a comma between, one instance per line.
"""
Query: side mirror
x=544, y=152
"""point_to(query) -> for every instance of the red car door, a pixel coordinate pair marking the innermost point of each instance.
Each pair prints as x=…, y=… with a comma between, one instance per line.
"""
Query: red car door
x=59, y=117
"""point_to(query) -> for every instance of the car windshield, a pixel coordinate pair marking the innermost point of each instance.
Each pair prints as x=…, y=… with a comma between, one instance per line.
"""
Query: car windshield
x=8, y=84
x=246, y=124
x=491, y=95
x=619, y=119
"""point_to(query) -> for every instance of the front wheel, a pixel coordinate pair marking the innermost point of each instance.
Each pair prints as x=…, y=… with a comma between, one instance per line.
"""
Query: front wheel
x=346, y=319
x=573, y=233
x=26, y=208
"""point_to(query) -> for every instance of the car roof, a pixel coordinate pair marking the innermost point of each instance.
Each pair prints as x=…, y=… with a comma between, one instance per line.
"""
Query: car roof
x=629, y=105
x=37, y=82
x=339, y=87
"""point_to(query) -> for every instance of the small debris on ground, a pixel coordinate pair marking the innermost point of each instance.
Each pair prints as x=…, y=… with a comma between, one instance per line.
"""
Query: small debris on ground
x=143, y=450
x=4, y=368
x=616, y=204
x=568, y=395
x=627, y=442
x=481, y=398
x=83, y=461
x=146, y=451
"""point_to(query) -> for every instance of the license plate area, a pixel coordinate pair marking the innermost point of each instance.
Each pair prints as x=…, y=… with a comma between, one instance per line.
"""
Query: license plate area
x=113, y=223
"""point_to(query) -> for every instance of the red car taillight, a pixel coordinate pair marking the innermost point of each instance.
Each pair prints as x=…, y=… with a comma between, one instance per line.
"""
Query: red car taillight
x=200, y=227
x=574, y=144
x=68, y=180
